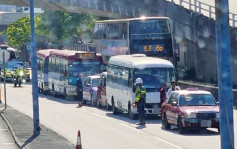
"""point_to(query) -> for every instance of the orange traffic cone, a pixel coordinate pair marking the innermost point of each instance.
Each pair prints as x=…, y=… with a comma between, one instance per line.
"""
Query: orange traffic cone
x=79, y=140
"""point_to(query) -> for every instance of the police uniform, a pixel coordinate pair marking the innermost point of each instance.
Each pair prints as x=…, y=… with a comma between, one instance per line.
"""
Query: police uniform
x=140, y=102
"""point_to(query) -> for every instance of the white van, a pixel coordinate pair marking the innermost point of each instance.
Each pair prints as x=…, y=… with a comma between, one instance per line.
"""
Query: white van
x=122, y=73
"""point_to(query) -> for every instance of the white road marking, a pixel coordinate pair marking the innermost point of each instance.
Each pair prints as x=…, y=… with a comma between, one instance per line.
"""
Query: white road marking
x=8, y=143
x=168, y=142
x=3, y=129
x=101, y=116
x=131, y=127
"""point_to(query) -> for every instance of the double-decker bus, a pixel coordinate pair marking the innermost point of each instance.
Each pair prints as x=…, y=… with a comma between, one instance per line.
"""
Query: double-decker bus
x=42, y=70
x=146, y=35
x=66, y=65
x=123, y=70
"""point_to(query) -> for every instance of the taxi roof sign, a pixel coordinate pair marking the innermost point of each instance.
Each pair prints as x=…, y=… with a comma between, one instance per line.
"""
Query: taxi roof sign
x=192, y=89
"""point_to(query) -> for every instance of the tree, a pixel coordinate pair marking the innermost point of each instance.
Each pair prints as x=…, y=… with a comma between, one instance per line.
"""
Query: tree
x=51, y=26
x=66, y=28
x=18, y=33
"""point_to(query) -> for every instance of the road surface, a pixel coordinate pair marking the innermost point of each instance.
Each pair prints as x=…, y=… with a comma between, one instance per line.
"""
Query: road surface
x=102, y=130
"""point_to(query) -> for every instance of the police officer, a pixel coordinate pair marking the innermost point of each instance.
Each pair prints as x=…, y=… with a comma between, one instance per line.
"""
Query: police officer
x=140, y=100
x=79, y=90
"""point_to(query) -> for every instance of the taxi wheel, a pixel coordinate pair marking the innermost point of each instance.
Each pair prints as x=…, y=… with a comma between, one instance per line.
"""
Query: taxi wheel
x=181, y=129
x=165, y=123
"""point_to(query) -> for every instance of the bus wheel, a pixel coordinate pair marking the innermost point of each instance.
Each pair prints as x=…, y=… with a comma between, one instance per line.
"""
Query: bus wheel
x=38, y=89
x=42, y=88
x=64, y=93
x=114, y=109
x=54, y=92
x=130, y=114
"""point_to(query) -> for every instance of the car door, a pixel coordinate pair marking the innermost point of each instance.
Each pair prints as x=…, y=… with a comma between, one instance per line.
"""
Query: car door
x=169, y=108
x=103, y=90
x=174, y=110
x=86, y=89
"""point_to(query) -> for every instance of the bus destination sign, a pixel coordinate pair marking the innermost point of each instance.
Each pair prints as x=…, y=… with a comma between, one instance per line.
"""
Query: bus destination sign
x=85, y=55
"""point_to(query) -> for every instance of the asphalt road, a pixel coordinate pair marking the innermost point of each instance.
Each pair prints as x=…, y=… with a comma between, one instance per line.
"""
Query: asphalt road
x=102, y=130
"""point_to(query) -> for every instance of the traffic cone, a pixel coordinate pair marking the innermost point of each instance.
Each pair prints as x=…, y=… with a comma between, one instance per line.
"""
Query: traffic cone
x=79, y=140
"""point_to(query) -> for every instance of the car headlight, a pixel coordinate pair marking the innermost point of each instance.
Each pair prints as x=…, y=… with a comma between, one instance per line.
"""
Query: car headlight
x=191, y=115
x=21, y=73
x=217, y=115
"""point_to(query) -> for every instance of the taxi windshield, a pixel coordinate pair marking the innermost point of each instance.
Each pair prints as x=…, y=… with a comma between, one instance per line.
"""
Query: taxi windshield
x=197, y=100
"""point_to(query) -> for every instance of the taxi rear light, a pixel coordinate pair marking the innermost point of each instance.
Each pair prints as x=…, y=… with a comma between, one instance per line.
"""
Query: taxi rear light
x=192, y=89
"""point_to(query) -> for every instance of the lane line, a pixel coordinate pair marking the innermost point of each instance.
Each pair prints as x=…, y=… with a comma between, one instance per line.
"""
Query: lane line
x=101, y=116
x=8, y=143
x=168, y=143
x=131, y=128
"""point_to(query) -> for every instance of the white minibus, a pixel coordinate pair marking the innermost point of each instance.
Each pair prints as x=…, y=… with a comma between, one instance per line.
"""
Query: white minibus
x=122, y=73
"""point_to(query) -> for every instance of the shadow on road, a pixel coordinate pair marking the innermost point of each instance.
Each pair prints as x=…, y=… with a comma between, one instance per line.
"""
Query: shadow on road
x=193, y=132
x=29, y=141
x=124, y=117
x=59, y=99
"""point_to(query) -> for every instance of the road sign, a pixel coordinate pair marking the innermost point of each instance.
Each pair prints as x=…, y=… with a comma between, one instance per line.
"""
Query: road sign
x=6, y=54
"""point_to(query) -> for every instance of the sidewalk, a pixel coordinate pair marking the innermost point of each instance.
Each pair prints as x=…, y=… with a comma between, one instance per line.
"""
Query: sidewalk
x=21, y=127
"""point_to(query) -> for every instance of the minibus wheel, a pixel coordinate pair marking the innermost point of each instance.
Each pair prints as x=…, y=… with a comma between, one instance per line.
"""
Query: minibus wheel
x=114, y=109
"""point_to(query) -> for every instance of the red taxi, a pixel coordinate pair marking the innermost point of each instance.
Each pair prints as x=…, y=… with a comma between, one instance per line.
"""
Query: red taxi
x=191, y=108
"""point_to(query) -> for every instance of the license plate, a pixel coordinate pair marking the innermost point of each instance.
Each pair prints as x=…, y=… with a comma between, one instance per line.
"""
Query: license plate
x=205, y=123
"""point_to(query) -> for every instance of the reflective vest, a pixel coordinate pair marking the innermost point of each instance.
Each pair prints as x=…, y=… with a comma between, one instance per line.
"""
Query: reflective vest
x=140, y=93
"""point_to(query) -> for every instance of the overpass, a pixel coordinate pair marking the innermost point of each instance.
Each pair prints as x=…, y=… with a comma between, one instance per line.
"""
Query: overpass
x=193, y=26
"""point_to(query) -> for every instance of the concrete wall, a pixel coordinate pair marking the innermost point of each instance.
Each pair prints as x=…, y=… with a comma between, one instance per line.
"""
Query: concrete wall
x=195, y=34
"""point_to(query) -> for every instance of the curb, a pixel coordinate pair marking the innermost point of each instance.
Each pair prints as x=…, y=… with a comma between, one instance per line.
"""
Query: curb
x=11, y=130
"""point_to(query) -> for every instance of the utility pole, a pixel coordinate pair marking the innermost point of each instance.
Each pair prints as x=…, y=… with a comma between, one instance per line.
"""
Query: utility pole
x=34, y=72
x=225, y=93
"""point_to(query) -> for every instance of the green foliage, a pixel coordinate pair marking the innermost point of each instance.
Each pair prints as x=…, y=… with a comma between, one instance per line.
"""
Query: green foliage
x=18, y=33
x=56, y=27
x=65, y=28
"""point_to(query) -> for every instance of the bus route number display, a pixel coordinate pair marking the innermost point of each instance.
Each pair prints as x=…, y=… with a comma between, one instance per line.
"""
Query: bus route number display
x=85, y=55
x=149, y=48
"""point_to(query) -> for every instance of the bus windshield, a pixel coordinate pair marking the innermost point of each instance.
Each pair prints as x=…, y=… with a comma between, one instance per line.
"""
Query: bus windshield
x=149, y=26
x=153, y=78
x=85, y=67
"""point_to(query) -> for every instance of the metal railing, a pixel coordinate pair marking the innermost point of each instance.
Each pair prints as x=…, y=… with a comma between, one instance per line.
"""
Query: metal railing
x=205, y=9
